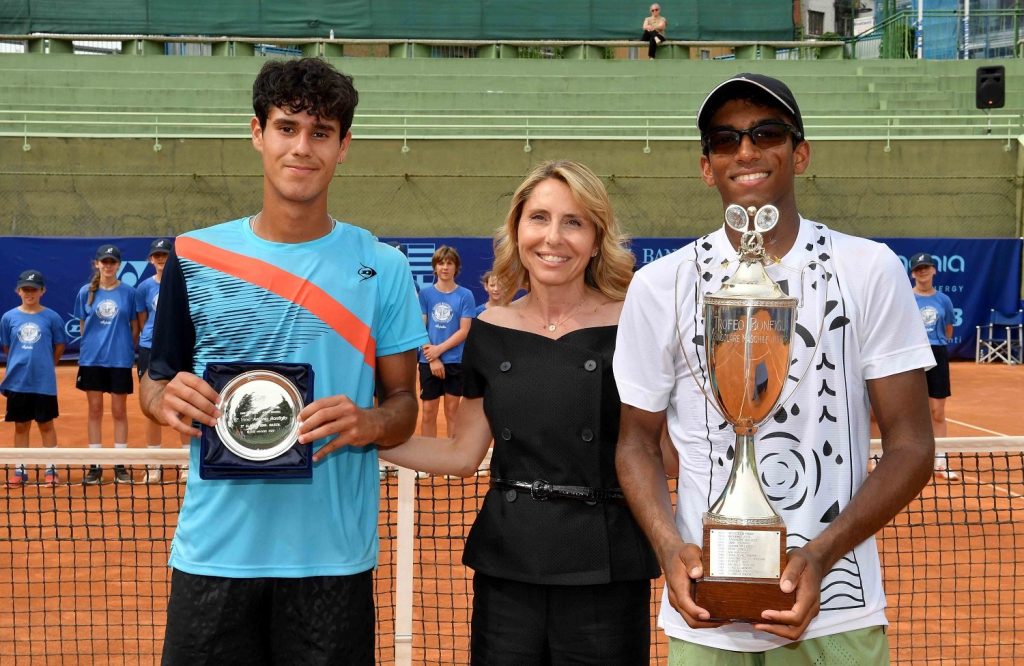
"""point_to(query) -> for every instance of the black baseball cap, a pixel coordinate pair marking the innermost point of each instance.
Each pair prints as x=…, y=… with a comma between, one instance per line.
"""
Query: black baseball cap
x=31, y=278
x=160, y=245
x=921, y=259
x=742, y=85
x=108, y=252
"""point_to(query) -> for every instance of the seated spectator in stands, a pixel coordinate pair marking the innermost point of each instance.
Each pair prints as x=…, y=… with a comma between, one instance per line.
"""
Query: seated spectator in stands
x=654, y=30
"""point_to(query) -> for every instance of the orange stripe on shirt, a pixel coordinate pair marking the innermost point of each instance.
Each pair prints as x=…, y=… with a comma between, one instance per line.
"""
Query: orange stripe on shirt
x=286, y=285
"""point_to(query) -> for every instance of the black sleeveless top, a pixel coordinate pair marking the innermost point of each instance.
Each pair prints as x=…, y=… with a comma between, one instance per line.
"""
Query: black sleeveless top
x=553, y=409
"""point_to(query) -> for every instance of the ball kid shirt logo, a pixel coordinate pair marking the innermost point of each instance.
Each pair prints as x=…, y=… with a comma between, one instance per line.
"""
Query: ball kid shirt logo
x=929, y=315
x=441, y=313
x=29, y=334
x=106, y=310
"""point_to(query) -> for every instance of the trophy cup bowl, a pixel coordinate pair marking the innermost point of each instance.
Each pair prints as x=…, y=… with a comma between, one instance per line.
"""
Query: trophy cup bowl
x=748, y=329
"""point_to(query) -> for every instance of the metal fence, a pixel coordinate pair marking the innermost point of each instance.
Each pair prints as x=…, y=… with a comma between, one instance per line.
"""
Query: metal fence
x=941, y=34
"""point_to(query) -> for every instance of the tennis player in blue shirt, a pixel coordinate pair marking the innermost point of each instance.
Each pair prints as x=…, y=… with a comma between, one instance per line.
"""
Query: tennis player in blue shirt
x=33, y=338
x=281, y=570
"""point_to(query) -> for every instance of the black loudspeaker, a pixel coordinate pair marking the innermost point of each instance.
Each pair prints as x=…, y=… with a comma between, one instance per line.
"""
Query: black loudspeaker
x=990, y=87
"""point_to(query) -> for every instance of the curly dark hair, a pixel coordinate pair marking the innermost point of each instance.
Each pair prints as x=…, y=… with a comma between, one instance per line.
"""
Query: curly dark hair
x=307, y=84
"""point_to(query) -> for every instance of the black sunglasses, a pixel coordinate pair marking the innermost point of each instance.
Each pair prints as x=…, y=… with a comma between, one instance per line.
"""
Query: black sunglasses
x=724, y=141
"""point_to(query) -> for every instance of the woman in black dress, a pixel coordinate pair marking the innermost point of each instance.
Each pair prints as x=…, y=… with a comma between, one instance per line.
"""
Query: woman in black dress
x=562, y=572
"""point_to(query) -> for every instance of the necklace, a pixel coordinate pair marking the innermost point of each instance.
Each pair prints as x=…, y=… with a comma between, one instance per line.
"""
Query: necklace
x=553, y=326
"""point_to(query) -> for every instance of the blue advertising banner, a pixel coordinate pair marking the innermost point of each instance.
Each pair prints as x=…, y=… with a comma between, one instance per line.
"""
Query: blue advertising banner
x=979, y=275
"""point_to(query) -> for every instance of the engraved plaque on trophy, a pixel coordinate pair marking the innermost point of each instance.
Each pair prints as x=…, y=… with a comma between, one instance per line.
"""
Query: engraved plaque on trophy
x=748, y=328
x=259, y=415
x=256, y=436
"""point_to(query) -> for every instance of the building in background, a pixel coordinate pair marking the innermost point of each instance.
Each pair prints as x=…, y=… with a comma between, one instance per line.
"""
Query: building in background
x=990, y=31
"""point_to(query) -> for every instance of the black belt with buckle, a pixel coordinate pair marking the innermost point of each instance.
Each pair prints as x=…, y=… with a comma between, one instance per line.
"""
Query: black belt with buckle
x=542, y=490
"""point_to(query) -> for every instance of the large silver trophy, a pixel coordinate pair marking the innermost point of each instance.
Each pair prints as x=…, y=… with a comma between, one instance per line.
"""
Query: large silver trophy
x=748, y=328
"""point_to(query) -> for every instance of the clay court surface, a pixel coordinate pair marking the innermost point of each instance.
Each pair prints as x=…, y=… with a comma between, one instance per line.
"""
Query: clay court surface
x=84, y=572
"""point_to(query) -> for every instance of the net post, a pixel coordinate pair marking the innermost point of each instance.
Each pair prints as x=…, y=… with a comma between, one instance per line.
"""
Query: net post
x=406, y=543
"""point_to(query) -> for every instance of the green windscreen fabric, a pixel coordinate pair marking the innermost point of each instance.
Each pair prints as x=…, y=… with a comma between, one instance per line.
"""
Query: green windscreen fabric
x=402, y=19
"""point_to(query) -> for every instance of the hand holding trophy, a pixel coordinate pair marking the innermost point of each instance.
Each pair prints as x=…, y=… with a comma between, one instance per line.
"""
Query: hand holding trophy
x=748, y=328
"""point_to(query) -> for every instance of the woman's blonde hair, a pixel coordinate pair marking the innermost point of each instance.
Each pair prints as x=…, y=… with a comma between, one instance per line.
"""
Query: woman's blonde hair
x=609, y=272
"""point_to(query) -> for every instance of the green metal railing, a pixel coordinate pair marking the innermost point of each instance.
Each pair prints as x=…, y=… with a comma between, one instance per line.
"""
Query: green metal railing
x=104, y=123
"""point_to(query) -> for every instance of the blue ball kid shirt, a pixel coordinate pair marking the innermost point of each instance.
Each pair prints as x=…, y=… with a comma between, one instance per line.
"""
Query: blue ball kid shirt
x=107, y=339
x=444, y=313
x=936, y=313
x=30, y=339
x=147, y=295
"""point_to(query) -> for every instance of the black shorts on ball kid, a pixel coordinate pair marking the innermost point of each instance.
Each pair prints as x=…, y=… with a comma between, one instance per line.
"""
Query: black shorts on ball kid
x=38, y=407
x=938, y=377
x=105, y=380
x=432, y=388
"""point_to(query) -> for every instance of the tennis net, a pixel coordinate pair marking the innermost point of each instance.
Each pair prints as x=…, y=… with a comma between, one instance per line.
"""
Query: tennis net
x=84, y=578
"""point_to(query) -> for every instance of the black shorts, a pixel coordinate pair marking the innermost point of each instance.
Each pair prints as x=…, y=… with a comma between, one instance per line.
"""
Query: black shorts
x=316, y=620
x=938, y=377
x=432, y=388
x=22, y=407
x=142, y=361
x=105, y=380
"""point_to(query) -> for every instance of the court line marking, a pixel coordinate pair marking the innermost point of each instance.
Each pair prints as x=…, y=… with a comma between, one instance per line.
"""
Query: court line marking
x=977, y=481
x=974, y=427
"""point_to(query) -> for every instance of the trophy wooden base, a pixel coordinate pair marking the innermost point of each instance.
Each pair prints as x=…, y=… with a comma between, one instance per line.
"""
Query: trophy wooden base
x=738, y=600
x=747, y=589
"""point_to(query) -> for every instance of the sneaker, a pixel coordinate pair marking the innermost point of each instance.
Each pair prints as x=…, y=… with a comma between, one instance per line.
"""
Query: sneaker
x=93, y=476
x=51, y=478
x=947, y=474
x=183, y=475
x=153, y=475
x=121, y=474
x=17, y=478
x=422, y=475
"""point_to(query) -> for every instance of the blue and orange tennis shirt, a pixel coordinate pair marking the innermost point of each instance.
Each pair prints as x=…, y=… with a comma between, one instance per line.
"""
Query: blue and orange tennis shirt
x=338, y=303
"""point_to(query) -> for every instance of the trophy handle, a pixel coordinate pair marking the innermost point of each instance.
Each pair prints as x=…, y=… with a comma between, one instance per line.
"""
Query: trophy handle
x=699, y=304
x=817, y=337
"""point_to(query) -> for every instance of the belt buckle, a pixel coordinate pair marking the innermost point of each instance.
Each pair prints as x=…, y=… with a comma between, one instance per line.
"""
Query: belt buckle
x=540, y=490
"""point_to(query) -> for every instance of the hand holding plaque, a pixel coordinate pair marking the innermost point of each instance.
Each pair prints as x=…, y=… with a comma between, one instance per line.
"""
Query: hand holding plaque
x=748, y=327
x=256, y=435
